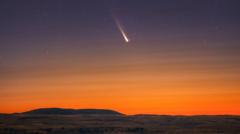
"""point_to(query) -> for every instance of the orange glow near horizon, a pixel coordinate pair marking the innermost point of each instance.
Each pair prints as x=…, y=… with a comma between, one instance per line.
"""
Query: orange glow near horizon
x=132, y=85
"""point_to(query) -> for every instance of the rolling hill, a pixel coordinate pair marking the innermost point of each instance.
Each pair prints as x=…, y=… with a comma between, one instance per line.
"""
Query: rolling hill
x=61, y=111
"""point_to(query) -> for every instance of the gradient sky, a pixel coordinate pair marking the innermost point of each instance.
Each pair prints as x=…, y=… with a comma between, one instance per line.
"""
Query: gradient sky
x=183, y=57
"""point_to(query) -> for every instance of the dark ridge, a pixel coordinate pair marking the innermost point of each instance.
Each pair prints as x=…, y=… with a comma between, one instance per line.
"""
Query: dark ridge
x=2, y=114
x=61, y=111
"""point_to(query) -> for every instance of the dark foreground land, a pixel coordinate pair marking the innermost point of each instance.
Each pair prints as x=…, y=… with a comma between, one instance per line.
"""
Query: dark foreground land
x=117, y=124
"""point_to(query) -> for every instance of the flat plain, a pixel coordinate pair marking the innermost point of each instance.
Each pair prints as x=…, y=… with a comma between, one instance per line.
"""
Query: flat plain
x=118, y=124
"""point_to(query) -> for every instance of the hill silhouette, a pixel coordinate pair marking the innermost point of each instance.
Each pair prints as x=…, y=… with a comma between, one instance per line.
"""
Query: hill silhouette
x=103, y=121
x=62, y=111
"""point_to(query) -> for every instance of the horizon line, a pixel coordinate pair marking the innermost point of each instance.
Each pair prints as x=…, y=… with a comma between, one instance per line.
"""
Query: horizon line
x=148, y=114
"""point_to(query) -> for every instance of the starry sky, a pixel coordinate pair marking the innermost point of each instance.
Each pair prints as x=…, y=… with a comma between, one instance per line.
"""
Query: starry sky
x=183, y=56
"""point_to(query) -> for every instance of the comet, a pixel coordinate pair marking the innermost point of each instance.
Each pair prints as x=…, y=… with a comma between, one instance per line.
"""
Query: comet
x=120, y=27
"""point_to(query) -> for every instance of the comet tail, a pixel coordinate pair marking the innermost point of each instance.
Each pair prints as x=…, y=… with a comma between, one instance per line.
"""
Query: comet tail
x=122, y=30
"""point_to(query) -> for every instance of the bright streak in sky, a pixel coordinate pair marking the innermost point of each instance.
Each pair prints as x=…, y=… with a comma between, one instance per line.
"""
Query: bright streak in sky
x=124, y=34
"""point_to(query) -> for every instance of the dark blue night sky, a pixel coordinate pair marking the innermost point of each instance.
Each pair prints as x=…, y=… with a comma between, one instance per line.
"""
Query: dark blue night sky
x=194, y=42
